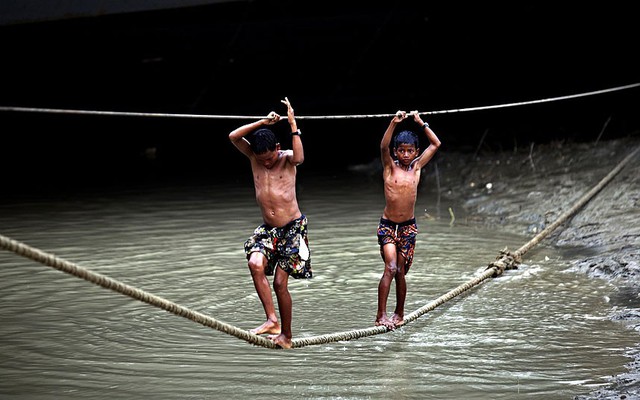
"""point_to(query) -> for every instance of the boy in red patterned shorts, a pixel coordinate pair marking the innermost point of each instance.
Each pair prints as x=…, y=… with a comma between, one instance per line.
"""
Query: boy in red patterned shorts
x=397, y=229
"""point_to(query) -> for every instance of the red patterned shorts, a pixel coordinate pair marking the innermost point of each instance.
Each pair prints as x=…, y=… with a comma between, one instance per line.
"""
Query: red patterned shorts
x=402, y=234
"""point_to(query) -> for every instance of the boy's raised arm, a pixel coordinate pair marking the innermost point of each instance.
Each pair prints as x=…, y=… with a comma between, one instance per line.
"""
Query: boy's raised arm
x=296, y=144
x=385, y=155
x=434, y=142
x=237, y=135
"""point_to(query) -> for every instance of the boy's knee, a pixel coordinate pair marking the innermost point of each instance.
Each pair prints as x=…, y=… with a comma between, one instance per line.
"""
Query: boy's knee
x=279, y=285
x=256, y=263
x=391, y=268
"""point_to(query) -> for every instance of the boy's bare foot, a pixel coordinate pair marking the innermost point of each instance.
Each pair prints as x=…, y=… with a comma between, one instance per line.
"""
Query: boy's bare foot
x=268, y=327
x=397, y=320
x=384, y=321
x=280, y=340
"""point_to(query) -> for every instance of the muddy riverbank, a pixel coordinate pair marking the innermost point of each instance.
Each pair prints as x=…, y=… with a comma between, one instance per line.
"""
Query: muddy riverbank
x=526, y=189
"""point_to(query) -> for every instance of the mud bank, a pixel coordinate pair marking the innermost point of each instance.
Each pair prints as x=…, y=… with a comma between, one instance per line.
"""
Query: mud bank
x=526, y=189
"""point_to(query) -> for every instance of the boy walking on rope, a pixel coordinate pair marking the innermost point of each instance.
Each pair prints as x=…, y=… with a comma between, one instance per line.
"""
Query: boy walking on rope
x=397, y=229
x=279, y=246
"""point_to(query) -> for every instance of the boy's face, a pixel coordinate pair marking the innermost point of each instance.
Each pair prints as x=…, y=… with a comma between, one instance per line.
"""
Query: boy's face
x=269, y=158
x=406, y=153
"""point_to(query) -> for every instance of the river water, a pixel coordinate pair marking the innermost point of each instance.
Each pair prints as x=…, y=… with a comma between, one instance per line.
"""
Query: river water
x=537, y=332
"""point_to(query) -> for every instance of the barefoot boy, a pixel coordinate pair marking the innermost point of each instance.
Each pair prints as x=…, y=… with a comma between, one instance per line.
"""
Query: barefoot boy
x=397, y=229
x=280, y=244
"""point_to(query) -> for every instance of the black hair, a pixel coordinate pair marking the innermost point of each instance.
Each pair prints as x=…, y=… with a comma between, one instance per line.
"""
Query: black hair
x=263, y=140
x=406, y=137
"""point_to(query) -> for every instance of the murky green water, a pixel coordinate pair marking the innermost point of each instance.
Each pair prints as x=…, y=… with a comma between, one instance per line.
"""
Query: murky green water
x=537, y=332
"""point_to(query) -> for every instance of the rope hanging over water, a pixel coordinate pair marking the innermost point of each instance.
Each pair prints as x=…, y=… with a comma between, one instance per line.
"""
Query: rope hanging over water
x=506, y=260
x=202, y=116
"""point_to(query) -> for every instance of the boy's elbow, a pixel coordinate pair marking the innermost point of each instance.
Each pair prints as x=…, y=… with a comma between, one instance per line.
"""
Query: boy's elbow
x=298, y=160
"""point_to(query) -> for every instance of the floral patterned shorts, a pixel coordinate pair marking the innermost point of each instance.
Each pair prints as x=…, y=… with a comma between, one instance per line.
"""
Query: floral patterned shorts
x=286, y=247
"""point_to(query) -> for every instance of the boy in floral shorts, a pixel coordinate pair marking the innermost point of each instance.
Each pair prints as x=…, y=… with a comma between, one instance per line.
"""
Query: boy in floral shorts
x=279, y=246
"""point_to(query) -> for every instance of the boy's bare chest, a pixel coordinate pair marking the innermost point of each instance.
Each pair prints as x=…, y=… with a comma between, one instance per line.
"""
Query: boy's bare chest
x=402, y=178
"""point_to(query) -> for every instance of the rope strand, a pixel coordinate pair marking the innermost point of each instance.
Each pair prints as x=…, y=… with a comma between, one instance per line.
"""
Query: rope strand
x=309, y=117
x=135, y=293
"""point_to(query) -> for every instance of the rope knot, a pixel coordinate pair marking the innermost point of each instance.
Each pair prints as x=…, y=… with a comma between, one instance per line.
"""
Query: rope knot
x=506, y=260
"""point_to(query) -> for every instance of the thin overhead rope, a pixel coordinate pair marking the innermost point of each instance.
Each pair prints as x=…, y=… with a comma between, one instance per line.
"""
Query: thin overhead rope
x=505, y=261
x=308, y=117
x=523, y=103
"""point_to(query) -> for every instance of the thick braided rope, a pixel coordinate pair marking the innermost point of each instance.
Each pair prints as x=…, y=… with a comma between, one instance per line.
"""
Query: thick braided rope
x=376, y=330
x=449, y=295
x=109, y=283
x=581, y=202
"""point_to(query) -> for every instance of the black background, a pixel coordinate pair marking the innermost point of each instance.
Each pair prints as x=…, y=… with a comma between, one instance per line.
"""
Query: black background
x=328, y=58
